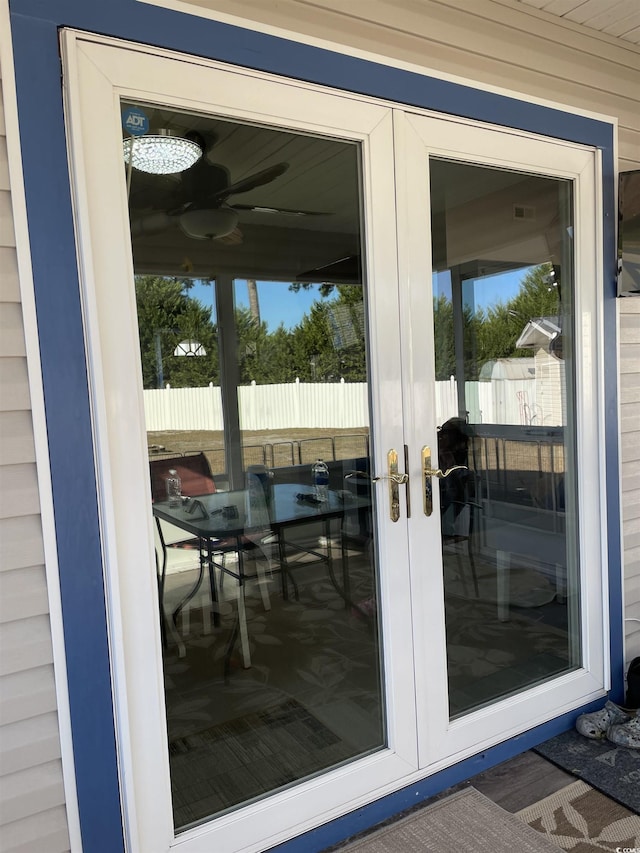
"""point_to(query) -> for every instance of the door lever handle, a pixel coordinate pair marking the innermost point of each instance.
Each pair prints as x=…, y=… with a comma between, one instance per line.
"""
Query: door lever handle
x=428, y=472
x=393, y=476
x=440, y=474
x=400, y=479
x=364, y=474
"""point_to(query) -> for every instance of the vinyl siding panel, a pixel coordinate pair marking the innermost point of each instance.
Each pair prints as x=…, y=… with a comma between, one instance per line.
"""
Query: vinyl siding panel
x=20, y=542
x=28, y=743
x=9, y=280
x=24, y=695
x=25, y=836
x=14, y=380
x=32, y=801
x=23, y=593
x=30, y=791
x=16, y=438
x=629, y=325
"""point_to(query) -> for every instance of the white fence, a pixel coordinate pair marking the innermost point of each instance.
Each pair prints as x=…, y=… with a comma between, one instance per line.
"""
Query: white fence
x=340, y=405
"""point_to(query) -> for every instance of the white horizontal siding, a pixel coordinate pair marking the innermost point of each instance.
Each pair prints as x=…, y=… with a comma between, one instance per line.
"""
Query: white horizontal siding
x=32, y=801
x=629, y=324
x=23, y=593
x=9, y=279
x=27, y=694
x=25, y=836
x=25, y=644
x=20, y=542
x=16, y=438
x=18, y=491
x=27, y=743
x=14, y=381
x=30, y=791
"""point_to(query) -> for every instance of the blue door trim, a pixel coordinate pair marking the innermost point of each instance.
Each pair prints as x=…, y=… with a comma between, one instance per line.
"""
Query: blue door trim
x=35, y=25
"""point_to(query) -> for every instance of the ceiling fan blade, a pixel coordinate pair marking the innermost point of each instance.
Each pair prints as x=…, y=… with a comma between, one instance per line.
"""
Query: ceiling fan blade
x=253, y=181
x=256, y=208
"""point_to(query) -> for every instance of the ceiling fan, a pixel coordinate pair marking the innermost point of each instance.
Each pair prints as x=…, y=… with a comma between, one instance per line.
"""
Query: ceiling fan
x=197, y=199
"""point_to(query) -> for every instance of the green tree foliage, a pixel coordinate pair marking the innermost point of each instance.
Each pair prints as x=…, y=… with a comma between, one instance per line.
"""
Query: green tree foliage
x=492, y=333
x=329, y=342
x=263, y=357
x=167, y=316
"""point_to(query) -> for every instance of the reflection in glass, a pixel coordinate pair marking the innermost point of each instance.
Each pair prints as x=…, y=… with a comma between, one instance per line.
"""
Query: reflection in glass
x=252, y=345
x=503, y=316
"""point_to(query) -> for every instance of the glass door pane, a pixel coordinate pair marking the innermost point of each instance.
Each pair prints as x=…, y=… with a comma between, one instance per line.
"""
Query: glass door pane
x=251, y=314
x=503, y=284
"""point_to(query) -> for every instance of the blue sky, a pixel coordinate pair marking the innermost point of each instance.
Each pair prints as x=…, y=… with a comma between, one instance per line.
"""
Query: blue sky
x=279, y=305
x=487, y=291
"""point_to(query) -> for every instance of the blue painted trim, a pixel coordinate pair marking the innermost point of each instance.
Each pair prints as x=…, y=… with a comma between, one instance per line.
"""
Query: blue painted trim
x=70, y=434
x=34, y=27
x=177, y=31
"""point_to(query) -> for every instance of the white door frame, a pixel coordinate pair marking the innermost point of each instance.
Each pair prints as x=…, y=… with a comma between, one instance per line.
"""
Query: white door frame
x=418, y=137
x=98, y=73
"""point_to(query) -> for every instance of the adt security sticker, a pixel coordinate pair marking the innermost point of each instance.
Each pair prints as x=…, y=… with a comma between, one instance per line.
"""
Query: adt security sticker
x=135, y=121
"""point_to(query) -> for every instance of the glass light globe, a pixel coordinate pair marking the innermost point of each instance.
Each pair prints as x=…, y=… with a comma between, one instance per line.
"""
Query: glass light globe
x=161, y=153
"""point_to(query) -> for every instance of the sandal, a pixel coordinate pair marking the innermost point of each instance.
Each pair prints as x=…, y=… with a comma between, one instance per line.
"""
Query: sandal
x=626, y=734
x=597, y=723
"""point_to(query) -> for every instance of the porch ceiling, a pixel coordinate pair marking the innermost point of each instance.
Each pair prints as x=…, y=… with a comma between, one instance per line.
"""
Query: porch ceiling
x=617, y=18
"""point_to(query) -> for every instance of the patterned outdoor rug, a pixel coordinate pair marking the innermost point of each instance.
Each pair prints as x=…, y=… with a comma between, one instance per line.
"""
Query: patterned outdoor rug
x=238, y=760
x=466, y=821
x=579, y=819
x=611, y=769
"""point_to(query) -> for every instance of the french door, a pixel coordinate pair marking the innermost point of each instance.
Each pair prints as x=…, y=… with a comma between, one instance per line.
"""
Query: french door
x=410, y=298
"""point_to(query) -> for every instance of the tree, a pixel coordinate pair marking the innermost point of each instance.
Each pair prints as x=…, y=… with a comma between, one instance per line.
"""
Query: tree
x=491, y=334
x=329, y=343
x=167, y=316
x=499, y=330
x=254, y=304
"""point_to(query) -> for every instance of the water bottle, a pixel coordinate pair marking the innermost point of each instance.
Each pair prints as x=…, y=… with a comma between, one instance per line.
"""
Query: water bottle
x=174, y=488
x=320, y=479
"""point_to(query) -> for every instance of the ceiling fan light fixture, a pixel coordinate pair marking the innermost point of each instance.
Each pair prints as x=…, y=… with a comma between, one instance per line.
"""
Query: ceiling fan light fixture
x=161, y=153
x=208, y=224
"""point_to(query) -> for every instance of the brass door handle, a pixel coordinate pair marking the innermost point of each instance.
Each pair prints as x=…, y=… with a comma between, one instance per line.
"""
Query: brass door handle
x=428, y=472
x=364, y=474
x=401, y=479
x=395, y=479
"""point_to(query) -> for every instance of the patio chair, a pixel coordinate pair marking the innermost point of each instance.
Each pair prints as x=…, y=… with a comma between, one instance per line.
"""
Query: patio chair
x=197, y=480
x=171, y=561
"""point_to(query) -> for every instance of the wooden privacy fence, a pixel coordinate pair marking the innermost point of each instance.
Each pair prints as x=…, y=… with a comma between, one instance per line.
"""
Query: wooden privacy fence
x=339, y=405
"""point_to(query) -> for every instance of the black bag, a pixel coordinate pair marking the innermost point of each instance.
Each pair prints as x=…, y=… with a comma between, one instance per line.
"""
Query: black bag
x=633, y=684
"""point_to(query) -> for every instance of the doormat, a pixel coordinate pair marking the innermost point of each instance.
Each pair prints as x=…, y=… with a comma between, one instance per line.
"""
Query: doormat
x=611, y=769
x=579, y=818
x=466, y=821
x=241, y=759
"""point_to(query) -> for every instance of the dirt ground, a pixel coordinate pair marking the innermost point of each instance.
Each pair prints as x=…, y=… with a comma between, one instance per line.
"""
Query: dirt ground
x=279, y=448
x=274, y=448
